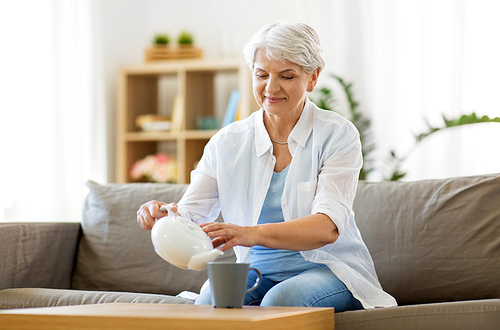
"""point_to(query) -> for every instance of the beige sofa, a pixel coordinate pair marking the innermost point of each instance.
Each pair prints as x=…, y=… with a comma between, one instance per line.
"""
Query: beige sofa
x=435, y=244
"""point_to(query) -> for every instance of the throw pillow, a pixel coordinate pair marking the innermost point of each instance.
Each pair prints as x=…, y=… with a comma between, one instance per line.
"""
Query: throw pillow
x=116, y=254
x=433, y=240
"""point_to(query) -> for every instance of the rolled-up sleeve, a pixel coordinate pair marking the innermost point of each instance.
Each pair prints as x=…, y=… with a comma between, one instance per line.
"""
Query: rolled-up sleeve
x=200, y=202
x=338, y=180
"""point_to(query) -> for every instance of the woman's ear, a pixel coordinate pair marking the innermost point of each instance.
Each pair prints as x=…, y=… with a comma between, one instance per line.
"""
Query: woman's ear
x=313, y=80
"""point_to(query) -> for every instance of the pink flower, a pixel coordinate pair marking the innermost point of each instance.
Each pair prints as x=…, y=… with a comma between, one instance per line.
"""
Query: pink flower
x=136, y=172
x=162, y=158
x=155, y=168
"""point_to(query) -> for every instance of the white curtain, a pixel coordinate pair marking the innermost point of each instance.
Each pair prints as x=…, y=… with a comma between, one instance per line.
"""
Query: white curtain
x=444, y=62
x=409, y=61
x=52, y=114
x=412, y=62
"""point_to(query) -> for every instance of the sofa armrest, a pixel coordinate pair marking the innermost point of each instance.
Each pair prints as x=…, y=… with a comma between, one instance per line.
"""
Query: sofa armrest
x=39, y=254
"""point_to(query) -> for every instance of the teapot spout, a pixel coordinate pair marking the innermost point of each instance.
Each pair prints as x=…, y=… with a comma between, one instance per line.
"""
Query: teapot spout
x=200, y=260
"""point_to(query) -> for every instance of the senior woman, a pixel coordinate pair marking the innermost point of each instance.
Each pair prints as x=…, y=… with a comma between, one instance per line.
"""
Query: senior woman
x=284, y=180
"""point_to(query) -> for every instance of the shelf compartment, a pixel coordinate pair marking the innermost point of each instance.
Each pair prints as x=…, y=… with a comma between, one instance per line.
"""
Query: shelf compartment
x=151, y=88
x=189, y=153
x=136, y=151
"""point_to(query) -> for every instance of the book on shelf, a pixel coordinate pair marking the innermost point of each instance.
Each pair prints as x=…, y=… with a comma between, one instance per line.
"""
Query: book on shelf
x=177, y=113
x=232, y=108
x=238, y=112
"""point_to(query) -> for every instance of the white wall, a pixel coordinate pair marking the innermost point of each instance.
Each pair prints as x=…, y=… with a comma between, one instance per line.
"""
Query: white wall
x=409, y=61
x=220, y=27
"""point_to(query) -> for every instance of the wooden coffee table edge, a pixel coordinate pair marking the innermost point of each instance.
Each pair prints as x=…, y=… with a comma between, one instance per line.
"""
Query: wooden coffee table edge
x=122, y=316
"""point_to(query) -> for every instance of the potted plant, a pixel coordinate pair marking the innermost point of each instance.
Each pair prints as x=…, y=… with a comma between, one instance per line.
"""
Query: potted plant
x=185, y=39
x=160, y=51
x=161, y=39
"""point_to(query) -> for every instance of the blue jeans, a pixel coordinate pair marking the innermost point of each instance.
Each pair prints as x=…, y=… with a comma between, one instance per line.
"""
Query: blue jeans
x=317, y=287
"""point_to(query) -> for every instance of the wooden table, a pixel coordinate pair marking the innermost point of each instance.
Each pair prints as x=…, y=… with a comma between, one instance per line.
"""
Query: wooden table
x=165, y=317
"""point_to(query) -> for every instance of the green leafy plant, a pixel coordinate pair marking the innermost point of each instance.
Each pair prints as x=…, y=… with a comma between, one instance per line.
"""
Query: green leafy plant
x=463, y=120
x=161, y=39
x=395, y=161
x=328, y=100
x=185, y=38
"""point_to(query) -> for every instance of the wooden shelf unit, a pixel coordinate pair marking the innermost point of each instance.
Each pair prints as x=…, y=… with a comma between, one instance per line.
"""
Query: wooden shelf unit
x=138, y=92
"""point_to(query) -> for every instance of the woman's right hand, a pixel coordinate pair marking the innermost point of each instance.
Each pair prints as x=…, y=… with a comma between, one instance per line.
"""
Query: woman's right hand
x=150, y=211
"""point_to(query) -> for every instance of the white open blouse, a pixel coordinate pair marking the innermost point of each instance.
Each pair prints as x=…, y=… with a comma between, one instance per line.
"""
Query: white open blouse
x=234, y=173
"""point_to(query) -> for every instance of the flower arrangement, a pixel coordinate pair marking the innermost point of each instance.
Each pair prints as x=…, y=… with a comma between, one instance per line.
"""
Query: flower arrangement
x=155, y=168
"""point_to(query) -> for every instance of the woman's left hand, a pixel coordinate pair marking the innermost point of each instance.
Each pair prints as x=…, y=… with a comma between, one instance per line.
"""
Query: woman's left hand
x=229, y=235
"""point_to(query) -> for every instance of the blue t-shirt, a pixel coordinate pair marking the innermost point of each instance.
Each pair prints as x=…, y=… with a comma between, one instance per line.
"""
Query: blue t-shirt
x=277, y=264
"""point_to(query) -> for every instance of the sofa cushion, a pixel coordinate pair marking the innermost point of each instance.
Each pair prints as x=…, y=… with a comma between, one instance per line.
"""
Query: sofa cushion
x=433, y=240
x=477, y=314
x=36, y=297
x=37, y=254
x=116, y=254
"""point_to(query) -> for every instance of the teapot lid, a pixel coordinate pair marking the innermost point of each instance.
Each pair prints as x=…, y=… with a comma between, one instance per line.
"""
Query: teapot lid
x=190, y=228
x=186, y=225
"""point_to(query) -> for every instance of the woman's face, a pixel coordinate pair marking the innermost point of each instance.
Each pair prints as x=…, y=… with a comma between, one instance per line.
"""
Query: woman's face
x=280, y=87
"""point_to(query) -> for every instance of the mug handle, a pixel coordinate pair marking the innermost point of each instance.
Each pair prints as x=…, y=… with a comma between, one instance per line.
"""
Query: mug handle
x=257, y=282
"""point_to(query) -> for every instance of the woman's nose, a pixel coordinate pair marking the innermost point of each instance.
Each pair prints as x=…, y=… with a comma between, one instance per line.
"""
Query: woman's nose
x=272, y=85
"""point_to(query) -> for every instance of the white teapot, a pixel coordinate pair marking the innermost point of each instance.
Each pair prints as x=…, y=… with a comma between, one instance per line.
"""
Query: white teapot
x=181, y=242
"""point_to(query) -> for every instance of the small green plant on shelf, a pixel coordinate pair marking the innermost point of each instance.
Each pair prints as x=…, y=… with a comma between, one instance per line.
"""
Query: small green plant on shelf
x=185, y=39
x=161, y=39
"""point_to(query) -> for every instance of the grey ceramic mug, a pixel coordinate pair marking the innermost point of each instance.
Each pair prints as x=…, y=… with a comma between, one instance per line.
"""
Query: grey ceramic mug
x=228, y=281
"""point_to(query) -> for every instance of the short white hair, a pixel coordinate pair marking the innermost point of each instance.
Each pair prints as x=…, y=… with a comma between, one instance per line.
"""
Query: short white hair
x=294, y=42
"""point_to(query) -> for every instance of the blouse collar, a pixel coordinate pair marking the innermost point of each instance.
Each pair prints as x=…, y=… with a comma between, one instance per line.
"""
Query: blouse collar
x=299, y=134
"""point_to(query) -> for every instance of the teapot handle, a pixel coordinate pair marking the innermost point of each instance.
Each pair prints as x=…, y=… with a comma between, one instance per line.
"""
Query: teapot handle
x=165, y=207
